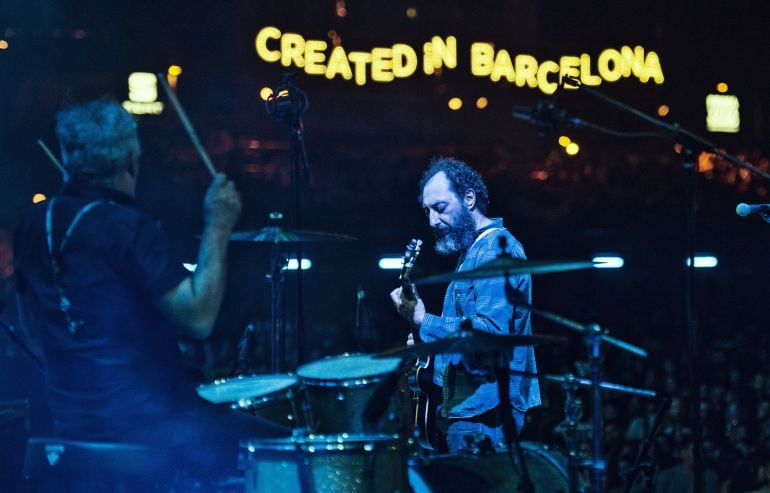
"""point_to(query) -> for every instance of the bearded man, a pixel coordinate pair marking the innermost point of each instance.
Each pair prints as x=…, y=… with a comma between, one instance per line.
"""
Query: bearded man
x=455, y=199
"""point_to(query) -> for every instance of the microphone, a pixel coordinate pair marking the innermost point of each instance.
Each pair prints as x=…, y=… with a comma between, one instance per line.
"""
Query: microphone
x=744, y=210
x=547, y=116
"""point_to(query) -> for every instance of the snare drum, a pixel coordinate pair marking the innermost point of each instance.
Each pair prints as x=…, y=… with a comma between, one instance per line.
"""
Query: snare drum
x=339, y=387
x=325, y=463
x=275, y=398
x=488, y=473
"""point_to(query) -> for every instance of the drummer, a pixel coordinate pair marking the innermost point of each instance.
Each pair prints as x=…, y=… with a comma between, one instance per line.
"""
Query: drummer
x=454, y=199
x=106, y=301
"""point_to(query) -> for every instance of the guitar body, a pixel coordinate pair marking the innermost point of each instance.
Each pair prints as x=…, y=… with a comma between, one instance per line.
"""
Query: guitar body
x=427, y=395
x=427, y=398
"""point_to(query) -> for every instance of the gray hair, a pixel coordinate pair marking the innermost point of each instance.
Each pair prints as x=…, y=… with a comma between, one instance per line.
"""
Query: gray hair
x=96, y=139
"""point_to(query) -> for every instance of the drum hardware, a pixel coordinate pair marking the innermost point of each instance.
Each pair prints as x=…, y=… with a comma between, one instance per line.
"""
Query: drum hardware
x=468, y=341
x=642, y=464
x=340, y=388
x=593, y=337
x=505, y=265
x=275, y=235
x=278, y=398
x=326, y=463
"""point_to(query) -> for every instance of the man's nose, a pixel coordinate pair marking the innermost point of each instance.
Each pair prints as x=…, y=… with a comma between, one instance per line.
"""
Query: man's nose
x=433, y=219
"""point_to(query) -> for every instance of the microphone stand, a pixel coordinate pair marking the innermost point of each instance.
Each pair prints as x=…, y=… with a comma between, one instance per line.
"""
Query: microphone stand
x=691, y=144
x=510, y=431
x=642, y=463
x=287, y=104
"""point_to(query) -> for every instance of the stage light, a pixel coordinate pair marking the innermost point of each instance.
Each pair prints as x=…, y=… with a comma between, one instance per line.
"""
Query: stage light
x=190, y=267
x=3, y=44
x=572, y=148
x=482, y=103
x=608, y=262
x=265, y=93
x=292, y=265
x=663, y=110
x=703, y=262
x=455, y=104
x=411, y=12
x=390, y=263
x=564, y=141
x=722, y=88
x=37, y=198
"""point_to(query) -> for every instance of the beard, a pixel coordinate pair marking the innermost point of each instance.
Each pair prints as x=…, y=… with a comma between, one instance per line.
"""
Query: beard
x=458, y=236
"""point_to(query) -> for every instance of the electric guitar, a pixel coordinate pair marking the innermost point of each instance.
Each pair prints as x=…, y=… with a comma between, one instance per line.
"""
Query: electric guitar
x=426, y=394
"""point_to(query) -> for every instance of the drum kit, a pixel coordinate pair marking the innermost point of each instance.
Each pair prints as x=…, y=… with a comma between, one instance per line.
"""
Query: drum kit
x=350, y=413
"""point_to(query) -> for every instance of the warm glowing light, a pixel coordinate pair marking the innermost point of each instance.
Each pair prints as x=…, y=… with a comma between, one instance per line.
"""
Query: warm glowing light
x=525, y=70
x=411, y=12
x=265, y=93
x=341, y=10
x=564, y=141
x=455, y=104
x=663, y=110
x=723, y=113
x=482, y=103
x=572, y=149
x=678, y=148
x=143, y=94
x=722, y=88
x=705, y=162
x=175, y=70
x=142, y=87
x=37, y=198
x=3, y=44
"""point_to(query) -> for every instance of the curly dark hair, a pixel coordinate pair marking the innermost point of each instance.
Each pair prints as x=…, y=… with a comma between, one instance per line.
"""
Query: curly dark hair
x=461, y=179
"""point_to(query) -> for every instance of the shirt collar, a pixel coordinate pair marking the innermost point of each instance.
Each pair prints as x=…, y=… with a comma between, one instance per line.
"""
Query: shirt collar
x=95, y=192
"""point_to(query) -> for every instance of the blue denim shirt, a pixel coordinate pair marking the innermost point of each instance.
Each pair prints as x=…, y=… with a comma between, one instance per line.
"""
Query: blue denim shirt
x=484, y=304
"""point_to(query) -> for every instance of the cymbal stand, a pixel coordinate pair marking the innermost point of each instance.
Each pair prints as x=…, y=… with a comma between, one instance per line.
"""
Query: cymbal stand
x=572, y=412
x=287, y=104
x=593, y=336
x=278, y=264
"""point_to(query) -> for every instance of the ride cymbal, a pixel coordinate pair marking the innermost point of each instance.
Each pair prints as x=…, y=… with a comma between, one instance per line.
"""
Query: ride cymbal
x=276, y=234
x=506, y=265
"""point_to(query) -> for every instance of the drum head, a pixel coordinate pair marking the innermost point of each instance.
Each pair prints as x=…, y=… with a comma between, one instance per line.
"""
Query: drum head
x=348, y=367
x=244, y=387
x=319, y=444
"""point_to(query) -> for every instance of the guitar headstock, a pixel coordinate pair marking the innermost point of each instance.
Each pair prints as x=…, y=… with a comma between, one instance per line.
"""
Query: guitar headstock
x=410, y=255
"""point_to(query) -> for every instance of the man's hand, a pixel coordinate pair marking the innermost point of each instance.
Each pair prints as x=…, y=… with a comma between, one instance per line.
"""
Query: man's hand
x=412, y=310
x=222, y=204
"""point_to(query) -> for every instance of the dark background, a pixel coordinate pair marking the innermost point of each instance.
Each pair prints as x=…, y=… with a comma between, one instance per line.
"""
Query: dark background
x=368, y=145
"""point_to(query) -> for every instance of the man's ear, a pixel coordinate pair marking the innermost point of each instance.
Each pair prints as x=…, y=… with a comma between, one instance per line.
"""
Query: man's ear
x=470, y=199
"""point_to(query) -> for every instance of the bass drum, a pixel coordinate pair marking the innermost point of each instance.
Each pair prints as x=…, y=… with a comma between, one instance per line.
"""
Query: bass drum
x=493, y=472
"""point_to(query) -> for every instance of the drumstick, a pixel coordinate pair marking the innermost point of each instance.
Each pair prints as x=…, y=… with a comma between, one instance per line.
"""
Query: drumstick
x=186, y=124
x=52, y=157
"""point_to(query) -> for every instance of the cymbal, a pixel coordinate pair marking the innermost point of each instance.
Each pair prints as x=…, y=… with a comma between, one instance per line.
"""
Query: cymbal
x=468, y=342
x=506, y=265
x=276, y=234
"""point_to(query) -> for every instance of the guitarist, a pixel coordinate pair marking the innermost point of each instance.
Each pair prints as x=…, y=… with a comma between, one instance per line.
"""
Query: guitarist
x=454, y=199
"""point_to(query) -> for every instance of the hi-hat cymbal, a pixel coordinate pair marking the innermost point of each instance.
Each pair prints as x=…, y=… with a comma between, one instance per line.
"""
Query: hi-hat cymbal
x=469, y=342
x=275, y=234
x=506, y=265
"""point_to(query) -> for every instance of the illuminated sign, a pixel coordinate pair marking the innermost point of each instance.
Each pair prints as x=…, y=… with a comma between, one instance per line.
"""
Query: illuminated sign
x=723, y=113
x=143, y=94
x=385, y=64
